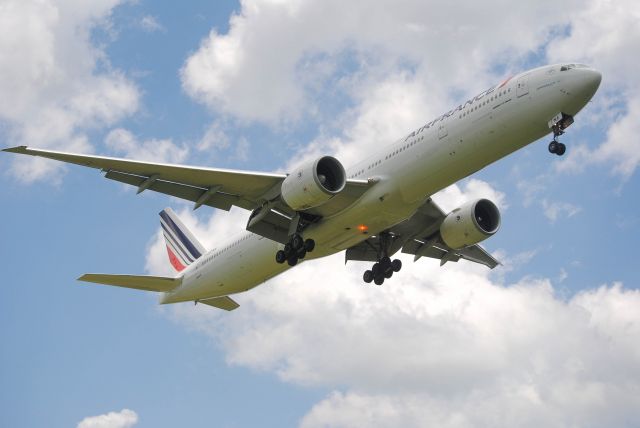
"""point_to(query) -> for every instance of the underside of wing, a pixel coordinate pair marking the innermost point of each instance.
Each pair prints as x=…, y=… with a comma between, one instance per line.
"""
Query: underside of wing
x=420, y=236
x=219, y=188
x=215, y=187
x=440, y=251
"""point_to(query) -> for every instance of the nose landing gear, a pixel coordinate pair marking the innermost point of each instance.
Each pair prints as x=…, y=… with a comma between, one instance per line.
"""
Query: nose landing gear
x=558, y=124
x=296, y=249
x=557, y=148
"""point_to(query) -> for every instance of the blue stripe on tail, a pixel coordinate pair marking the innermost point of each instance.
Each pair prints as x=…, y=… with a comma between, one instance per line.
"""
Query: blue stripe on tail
x=177, y=233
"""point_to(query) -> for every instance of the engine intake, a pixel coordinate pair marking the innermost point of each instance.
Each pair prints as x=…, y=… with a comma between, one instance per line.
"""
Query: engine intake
x=313, y=183
x=473, y=222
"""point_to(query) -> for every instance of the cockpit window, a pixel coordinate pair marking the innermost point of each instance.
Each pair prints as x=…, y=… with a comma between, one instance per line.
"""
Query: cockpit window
x=570, y=66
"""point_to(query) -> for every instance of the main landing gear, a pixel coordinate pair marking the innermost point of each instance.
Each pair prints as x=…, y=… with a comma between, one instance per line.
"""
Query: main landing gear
x=296, y=249
x=382, y=270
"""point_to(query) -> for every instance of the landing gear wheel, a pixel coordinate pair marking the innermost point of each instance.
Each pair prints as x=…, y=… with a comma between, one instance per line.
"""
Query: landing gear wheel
x=309, y=245
x=561, y=149
x=388, y=274
x=378, y=279
x=281, y=257
x=396, y=265
x=297, y=242
x=368, y=276
x=385, y=262
x=553, y=147
x=292, y=261
x=375, y=269
x=302, y=253
x=287, y=249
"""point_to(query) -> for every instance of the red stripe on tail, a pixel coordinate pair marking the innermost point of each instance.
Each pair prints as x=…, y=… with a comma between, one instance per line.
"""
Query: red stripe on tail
x=174, y=260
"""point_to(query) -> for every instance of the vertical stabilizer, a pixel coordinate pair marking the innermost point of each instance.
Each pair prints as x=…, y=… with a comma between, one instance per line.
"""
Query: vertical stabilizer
x=182, y=247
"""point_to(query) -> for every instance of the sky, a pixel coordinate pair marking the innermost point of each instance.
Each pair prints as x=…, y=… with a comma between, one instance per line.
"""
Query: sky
x=550, y=338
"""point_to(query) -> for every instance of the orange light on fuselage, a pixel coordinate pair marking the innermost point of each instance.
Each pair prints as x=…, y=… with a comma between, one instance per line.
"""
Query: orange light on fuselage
x=363, y=228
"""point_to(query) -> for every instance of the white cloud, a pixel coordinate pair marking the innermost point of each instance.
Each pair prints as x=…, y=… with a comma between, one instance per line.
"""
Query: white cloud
x=55, y=83
x=603, y=34
x=150, y=24
x=438, y=346
x=214, y=138
x=124, y=419
x=125, y=143
x=454, y=196
x=279, y=56
x=554, y=210
x=621, y=147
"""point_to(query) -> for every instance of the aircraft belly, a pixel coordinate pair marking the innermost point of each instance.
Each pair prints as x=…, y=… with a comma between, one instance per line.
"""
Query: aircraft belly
x=252, y=264
x=382, y=208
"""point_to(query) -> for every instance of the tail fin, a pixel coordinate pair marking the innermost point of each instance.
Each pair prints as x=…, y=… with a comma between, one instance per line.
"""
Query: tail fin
x=182, y=247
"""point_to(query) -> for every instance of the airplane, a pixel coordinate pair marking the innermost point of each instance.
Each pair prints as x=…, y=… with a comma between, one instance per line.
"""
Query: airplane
x=377, y=207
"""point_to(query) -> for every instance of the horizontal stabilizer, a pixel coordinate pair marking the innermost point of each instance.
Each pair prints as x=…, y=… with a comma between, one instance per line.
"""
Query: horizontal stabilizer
x=226, y=303
x=139, y=282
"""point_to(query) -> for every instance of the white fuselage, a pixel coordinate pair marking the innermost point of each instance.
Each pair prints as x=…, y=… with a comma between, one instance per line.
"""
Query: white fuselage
x=475, y=134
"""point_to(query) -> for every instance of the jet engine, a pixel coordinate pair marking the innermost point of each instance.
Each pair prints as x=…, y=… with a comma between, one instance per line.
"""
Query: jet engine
x=473, y=222
x=313, y=183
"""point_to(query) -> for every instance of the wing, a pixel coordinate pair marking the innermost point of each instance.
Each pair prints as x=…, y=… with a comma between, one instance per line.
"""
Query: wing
x=419, y=236
x=218, y=188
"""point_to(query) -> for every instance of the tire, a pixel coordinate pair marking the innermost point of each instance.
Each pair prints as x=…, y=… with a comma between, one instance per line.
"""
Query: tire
x=287, y=249
x=553, y=147
x=396, y=265
x=302, y=253
x=292, y=261
x=561, y=149
x=281, y=257
x=368, y=276
x=389, y=273
x=385, y=262
x=297, y=242
x=375, y=269
x=378, y=279
x=309, y=245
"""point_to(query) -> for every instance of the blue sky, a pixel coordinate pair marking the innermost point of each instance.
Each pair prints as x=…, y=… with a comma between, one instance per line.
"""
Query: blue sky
x=262, y=85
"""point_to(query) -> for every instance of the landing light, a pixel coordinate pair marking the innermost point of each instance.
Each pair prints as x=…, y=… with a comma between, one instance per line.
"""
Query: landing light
x=363, y=228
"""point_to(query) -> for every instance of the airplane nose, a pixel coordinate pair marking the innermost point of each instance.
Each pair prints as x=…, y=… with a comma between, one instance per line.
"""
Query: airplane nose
x=592, y=79
x=581, y=86
x=589, y=81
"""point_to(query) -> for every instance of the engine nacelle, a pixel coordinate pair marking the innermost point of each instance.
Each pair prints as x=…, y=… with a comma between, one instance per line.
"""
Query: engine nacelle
x=473, y=222
x=313, y=183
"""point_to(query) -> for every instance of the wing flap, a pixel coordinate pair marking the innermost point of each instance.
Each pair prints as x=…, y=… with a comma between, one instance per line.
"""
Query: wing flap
x=218, y=200
x=476, y=253
x=437, y=250
x=226, y=303
x=138, y=282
